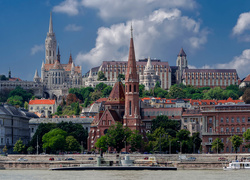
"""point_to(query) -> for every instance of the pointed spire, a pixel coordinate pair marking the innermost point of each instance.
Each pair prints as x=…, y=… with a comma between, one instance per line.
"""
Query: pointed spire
x=72, y=68
x=42, y=64
x=182, y=53
x=90, y=73
x=131, y=30
x=149, y=64
x=131, y=70
x=50, y=23
x=36, y=74
x=70, y=59
x=58, y=54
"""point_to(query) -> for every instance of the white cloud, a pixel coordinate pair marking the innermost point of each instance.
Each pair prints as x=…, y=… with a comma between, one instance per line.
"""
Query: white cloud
x=128, y=9
x=154, y=35
x=241, y=63
x=69, y=7
x=73, y=27
x=243, y=23
x=37, y=48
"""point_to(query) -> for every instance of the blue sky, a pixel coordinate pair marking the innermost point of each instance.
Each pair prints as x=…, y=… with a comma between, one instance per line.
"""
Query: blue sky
x=213, y=33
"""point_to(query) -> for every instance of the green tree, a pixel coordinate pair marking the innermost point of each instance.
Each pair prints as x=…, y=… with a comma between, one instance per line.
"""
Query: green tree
x=101, y=76
x=72, y=144
x=106, y=91
x=77, y=109
x=170, y=126
x=42, y=129
x=121, y=77
x=30, y=149
x=196, y=141
x=3, y=78
x=135, y=140
x=117, y=135
x=19, y=146
x=86, y=102
x=15, y=101
x=54, y=140
x=217, y=145
x=59, y=110
x=18, y=91
x=141, y=90
x=246, y=96
x=176, y=92
x=246, y=136
x=215, y=93
x=100, y=86
x=236, y=142
x=96, y=95
x=5, y=149
x=26, y=105
x=102, y=143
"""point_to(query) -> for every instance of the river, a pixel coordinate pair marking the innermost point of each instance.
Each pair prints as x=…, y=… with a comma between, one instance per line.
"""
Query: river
x=126, y=175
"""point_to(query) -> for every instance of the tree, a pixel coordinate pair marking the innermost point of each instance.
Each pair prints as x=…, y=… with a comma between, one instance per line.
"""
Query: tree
x=86, y=102
x=5, y=149
x=3, y=78
x=217, y=145
x=121, y=76
x=101, y=76
x=54, y=140
x=19, y=146
x=72, y=144
x=71, y=98
x=18, y=91
x=102, y=143
x=15, y=101
x=117, y=135
x=59, y=110
x=246, y=96
x=135, y=140
x=106, y=91
x=141, y=90
x=77, y=109
x=170, y=126
x=246, y=136
x=196, y=141
x=30, y=149
x=215, y=93
x=100, y=86
x=236, y=142
x=26, y=105
x=176, y=92
x=96, y=95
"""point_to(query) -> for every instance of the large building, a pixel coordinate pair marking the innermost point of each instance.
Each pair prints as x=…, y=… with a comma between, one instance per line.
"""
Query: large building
x=14, y=124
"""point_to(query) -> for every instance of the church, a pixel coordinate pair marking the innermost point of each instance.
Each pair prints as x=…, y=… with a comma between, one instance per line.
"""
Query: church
x=57, y=77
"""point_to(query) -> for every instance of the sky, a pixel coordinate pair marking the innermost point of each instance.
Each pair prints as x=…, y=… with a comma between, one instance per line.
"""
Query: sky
x=213, y=33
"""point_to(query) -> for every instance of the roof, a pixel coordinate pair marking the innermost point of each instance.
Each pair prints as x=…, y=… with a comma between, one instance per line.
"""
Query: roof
x=14, y=79
x=212, y=70
x=66, y=67
x=247, y=79
x=117, y=95
x=42, y=101
x=13, y=111
x=182, y=53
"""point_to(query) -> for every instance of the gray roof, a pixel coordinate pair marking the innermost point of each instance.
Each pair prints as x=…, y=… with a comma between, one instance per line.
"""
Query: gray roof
x=212, y=70
x=10, y=110
x=58, y=120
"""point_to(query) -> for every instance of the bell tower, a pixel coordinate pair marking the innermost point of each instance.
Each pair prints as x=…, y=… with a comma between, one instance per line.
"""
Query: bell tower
x=50, y=44
x=132, y=118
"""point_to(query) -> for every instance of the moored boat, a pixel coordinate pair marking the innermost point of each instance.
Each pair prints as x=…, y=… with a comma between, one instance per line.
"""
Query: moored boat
x=237, y=165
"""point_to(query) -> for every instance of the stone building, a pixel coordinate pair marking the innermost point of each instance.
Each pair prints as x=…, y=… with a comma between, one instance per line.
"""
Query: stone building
x=43, y=107
x=224, y=121
x=14, y=124
x=149, y=77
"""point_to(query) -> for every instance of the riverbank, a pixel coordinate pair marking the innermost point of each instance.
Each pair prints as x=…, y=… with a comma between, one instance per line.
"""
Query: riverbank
x=203, y=161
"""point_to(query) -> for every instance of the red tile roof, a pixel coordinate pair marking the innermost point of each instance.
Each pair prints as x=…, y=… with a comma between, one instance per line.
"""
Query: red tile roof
x=247, y=79
x=42, y=101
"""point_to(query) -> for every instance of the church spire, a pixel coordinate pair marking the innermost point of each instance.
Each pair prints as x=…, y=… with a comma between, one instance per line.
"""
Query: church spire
x=70, y=59
x=58, y=54
x=50, y=23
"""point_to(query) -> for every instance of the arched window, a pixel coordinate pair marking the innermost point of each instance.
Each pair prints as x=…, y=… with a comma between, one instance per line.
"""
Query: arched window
x=129, y=88
x=130, y=108
x=134, y=88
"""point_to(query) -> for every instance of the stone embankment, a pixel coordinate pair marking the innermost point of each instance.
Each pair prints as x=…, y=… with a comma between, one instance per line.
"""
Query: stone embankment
x=203, y=161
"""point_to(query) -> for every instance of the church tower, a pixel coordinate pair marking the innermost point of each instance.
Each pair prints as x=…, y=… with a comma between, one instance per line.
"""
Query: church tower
x=182, y=64
x=50, y=44
x=132, y=116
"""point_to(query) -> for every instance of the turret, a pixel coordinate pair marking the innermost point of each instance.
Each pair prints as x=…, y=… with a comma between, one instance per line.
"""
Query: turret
x=36, y=77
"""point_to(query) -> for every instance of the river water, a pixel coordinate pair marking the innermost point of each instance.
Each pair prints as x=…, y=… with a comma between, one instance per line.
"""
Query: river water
x=126, y=175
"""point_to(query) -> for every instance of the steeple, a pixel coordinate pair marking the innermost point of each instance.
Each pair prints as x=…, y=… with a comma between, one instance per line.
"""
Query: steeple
x=72, y=68
x=36, y=77
x=50, y=23
x=149, y=65
x=131, y=69
x=182, y=53
x=9, y=73
x=70, y=59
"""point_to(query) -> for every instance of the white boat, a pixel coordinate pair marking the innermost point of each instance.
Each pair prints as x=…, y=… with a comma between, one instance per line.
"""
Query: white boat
x=236, y=165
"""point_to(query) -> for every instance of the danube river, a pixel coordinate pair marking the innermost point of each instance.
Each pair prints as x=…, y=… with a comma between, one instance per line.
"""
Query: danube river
x=126, y=175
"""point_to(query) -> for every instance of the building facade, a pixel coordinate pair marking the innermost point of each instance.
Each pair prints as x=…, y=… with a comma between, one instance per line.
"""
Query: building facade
x=43, y=107
x=224, y=121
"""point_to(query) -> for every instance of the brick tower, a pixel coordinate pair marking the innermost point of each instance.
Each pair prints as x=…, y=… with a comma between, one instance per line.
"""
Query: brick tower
x=132, y=118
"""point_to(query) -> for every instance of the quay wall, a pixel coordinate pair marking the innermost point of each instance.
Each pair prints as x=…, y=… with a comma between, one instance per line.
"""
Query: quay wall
x=203, y=161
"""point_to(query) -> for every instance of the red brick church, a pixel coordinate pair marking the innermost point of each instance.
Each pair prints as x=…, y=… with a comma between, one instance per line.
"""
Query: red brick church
x=122, y=104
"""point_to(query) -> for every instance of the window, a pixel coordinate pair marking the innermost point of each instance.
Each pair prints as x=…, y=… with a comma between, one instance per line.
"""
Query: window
x=221, y=120
x=248, y=119
x=222, y=140
x=243, y=119
x=232, y=120
x=238, y=120
x=134, y=88
x=232, y=129
x=210, y=140
x=103, y=123
x=130, y=108
x=32, y=130
x=243, y=149
x=185, y=120
x=210, y=120
x=129, y=88
x=227, y=149
x=238, y=129
x=1, y=140
x=109, y=122
x=221, y=129
x=210, y=129
x=227, y=120
x=243, y=129
x=227, y=129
